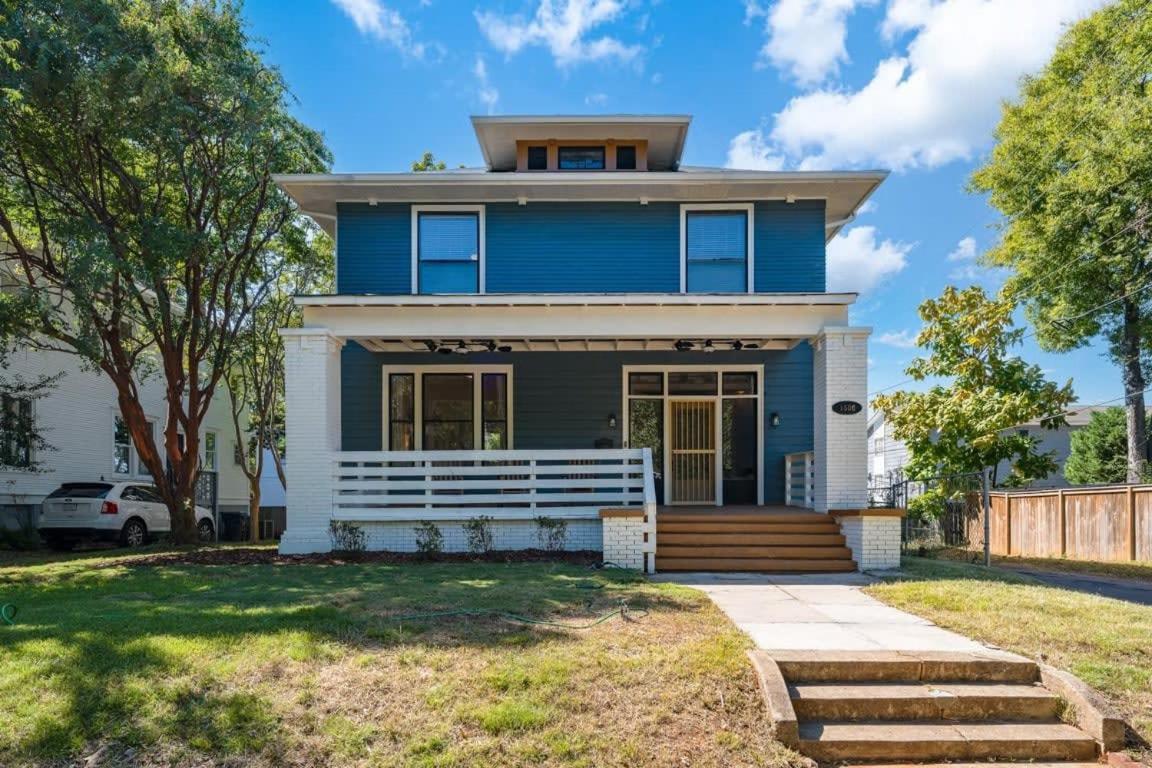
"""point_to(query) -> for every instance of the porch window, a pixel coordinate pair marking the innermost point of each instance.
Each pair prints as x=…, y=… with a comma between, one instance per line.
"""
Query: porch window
x=716, y=250
x=449, y=408
x=448, y=252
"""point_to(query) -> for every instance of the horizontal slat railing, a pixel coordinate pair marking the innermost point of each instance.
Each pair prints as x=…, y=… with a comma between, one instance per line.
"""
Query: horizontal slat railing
x=800, y=479
x=505, y=485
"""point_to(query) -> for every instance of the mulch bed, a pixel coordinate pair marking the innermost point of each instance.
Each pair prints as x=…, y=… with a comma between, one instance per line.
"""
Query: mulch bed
x=267, y=556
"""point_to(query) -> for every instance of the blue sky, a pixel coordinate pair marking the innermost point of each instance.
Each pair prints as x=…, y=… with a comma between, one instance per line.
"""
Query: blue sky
x=909, y=85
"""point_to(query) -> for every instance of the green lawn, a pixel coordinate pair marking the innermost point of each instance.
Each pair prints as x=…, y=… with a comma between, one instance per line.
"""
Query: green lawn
x=294, y=664
x=1107, y=643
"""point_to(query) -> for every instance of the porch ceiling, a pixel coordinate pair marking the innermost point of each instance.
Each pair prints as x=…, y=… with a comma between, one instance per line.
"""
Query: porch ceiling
x=474, y=344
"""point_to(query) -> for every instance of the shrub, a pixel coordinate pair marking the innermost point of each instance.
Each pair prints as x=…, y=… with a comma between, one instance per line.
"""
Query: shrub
x=552, y=533
x=929, y=505
x=478, y=533
x=346, y=537
x=429, y=540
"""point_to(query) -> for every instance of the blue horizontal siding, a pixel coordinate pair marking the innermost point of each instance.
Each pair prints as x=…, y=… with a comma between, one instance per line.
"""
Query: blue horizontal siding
x=563, y=399
x=374, y=248
x=790, y=254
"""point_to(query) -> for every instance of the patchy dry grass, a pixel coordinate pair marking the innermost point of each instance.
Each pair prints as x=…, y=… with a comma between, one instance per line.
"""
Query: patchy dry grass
x=304, y=665
x=1141, y=571
x=1107, y=643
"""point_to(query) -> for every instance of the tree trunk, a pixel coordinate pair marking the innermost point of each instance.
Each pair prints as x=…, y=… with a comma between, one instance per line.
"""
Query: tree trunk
x=1134, y=385
x=254, y=510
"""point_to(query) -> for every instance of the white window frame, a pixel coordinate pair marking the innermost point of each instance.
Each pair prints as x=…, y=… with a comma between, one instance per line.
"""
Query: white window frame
x=215, y=451
x=718, y=397
x=748, y=208
x=418, y=372
x=32, y=409
x=116, y=416
x=479, y=210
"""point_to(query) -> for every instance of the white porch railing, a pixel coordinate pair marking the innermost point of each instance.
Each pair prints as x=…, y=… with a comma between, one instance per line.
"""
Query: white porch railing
x=800, y=479
x=506, y=485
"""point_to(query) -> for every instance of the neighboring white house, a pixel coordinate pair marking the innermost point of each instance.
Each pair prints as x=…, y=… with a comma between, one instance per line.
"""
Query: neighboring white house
x=80, y=420
x=888, y=456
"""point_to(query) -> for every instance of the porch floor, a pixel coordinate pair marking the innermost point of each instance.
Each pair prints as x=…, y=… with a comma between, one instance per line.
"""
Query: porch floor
x=734, y=510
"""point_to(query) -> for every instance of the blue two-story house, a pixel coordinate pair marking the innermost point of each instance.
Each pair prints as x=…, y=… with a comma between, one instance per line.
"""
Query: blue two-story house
x=584, y=330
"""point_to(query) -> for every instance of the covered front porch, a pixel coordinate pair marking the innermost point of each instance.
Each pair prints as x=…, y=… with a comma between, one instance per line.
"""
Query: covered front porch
x=599, y=411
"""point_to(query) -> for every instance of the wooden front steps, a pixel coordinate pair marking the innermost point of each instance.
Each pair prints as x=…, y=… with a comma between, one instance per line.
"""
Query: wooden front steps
x=886, y=707
x=764, y=542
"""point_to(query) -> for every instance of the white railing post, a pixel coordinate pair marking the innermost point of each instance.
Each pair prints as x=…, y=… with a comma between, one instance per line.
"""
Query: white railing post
x=649, y=510
x=532, y=487
x=788, y=479
x=809, y=481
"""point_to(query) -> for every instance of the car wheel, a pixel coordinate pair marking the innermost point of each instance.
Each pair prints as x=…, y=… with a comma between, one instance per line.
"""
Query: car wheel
x=204, y=530
x=133, y=534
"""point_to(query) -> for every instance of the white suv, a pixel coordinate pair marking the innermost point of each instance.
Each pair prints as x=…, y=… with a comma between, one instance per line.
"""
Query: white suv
x=128, y=513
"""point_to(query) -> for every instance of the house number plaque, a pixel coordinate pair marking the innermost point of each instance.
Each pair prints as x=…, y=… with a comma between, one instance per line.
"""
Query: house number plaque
x=847, y=407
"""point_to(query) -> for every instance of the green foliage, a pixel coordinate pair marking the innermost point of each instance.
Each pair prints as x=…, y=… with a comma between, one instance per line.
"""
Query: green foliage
x=1072, y=174
x=138, y=141
x=428, y=162
x=22, y=441
x=929, y=505
x=429, y=539
x=347, y=537
x=478, y=534
x=1099, y=449
x=967, y=424
x=552, y=533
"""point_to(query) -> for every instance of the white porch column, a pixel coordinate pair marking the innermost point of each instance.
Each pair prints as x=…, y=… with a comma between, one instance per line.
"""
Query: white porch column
x=312, y=422
x=840, y=372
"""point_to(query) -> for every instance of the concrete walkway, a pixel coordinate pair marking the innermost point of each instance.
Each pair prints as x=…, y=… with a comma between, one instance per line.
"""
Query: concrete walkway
x=819, y=612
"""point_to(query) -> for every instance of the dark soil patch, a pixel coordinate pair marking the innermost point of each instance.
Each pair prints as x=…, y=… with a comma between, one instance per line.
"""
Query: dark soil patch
x=267, y=556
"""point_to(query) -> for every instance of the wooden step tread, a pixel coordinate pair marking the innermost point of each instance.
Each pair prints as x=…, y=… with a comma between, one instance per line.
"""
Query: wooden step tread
x=796, y=553
x=744, y=517
x=754, y=565
x=837, y=741
x=968, y=701
x=666, y=527
x=711, y=539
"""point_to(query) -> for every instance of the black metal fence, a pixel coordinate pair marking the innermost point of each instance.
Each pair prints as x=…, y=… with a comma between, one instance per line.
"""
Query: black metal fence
x=944, y=511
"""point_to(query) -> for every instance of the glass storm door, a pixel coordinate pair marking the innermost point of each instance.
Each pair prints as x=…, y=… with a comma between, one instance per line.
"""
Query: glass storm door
x=692, y=443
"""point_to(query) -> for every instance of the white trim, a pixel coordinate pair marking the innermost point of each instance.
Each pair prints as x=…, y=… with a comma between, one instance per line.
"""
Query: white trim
x=481, y=234
x=579, y=300
x=418, y=372
x=720, y=370
x=749, y=210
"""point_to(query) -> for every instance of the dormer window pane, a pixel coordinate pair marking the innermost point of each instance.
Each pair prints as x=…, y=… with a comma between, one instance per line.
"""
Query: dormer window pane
x=537, y=158
x=626, y=158
x=581, y=158
x=449, y=251
x=717, y=252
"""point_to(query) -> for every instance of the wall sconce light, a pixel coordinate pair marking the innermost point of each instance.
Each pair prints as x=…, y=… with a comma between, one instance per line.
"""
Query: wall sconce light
x=612, y=420
x=774, y=419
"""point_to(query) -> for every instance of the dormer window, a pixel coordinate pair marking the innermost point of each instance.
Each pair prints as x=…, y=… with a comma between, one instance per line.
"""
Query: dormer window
x=537, y=158
x=626, y=157
x=581, y=158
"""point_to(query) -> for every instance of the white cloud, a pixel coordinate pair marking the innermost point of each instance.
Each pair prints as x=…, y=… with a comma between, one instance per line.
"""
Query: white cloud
x=485, y=91
x=806, y=38
x=374, y=18
x=857, y=262
x=904, y=339
x=751, y=152
x=965, y=250
x=596, y=99
x=562, y=26
x=936, y=101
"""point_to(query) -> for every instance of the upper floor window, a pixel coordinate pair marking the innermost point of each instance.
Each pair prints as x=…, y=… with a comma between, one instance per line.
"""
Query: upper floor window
x=581, y=158
x=537, y=158
x=716, y=245
x=210, y=451
x=448, y=249
x=17, y=431
x=626, y=157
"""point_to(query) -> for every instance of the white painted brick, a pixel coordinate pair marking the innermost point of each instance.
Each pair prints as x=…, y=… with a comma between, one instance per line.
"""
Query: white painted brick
x=874, y=541
x=840, y=372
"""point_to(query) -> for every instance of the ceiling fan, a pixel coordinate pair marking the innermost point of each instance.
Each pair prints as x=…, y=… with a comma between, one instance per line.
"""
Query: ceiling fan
x=708, y=345
x=463, y=347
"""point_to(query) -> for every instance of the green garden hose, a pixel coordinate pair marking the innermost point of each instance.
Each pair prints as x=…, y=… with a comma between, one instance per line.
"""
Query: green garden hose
x=8, y=613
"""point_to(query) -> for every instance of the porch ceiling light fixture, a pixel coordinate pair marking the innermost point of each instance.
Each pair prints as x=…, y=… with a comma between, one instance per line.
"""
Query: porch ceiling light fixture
x=708, y=346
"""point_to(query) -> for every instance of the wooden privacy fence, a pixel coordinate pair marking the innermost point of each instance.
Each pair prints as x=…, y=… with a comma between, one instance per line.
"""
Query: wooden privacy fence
x=1099, y=523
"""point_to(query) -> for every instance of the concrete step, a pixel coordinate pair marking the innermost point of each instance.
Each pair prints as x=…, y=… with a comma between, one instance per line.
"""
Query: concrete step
x=896, y=666
x=924, y=701
x=752, y=539
x=992, y=764
x=937, y=741
x=704, y=549
x=754, y=565
x=663, y=527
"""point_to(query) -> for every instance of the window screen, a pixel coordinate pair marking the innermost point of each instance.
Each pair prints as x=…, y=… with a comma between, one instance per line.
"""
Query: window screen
x=626, y=158
x=717, y=251
x=537, y=158
x=449, y=251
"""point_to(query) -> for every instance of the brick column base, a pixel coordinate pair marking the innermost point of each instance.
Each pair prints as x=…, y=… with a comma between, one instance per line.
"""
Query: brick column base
x=873, y=538
x=624, y=537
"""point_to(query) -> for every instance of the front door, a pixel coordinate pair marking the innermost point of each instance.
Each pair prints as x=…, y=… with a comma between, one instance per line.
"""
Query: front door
x=692, y=454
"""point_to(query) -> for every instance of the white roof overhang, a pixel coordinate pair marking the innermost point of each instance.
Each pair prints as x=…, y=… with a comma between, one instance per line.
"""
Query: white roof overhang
x=843, y=191
x=575, y=321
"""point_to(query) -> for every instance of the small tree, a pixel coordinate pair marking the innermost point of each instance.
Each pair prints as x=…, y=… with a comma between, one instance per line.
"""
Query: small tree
x=968, y=424
x=428, y=162
x=1100, y=449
